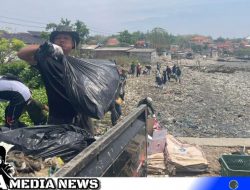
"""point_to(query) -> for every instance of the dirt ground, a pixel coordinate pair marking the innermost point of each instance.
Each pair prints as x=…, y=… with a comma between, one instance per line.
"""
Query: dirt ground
x=213, y=100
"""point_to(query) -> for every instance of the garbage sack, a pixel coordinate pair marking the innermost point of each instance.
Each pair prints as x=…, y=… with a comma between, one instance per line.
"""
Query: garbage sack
x=184, y=157
x=65, y=141
x=91, y=84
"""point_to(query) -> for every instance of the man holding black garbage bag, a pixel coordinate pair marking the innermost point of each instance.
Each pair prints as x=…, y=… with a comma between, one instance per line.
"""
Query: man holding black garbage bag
x=49, y=59
x=61, y=111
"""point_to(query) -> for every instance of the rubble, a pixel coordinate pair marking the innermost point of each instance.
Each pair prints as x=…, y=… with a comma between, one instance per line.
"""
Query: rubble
x=205, y=104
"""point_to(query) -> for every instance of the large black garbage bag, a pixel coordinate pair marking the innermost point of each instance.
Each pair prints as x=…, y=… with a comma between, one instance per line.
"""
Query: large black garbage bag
x=91, y=85
x=65, y=141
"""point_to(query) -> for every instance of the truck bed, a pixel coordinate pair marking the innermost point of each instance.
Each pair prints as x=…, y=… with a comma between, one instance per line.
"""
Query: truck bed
x=122, y=151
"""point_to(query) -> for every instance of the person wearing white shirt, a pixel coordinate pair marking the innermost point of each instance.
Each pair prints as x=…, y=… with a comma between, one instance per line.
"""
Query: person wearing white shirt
x=17, y=94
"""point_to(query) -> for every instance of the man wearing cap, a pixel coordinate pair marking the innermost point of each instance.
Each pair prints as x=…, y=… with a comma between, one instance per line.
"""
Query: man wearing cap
x=64, y=41
x=149, y=102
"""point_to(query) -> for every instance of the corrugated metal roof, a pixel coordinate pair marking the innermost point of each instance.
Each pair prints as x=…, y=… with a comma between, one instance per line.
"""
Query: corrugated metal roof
x=141, y=50
x=85, y=46
x=35, y=33
x=113, y=49
x=26, y=37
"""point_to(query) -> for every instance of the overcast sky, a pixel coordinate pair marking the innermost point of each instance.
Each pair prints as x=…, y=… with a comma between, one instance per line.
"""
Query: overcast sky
x=226, y=18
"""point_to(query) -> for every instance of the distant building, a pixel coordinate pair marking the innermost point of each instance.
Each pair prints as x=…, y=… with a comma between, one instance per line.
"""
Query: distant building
x=248, y=38
x=28, y=38
x=87, y=51
x=89, y=47
x=109, y=52
x=112, y=42
x=174, y=48
x=201, y=40
x=140, y=44
x=246, y=42
x=226, y=46
x=143, y=55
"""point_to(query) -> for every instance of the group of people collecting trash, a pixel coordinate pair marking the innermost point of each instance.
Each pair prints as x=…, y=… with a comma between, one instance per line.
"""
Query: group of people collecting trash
x=77, y=90
x=73, y=92
x=138, y=69
x=166, y=75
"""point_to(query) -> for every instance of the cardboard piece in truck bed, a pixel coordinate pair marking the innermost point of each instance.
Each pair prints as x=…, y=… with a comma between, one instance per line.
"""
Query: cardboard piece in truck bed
x=184, y=157
x=157, y=143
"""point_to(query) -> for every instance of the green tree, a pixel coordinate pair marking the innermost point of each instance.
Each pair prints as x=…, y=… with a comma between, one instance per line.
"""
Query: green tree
x=220, y=39
x=97, y=39
x=159, y=38
x=182, y=41
x=65, y=22
x=78, y=26
x=8, y=49
x=137, y=36
x=28, y=74
x=45, y=35
x=82, y=30
x=51, y=26
x=125, y=37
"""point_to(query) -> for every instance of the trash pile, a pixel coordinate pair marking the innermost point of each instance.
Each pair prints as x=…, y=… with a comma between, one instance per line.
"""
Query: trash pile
x=36, y=148
x=167, y=155
x=26, y=165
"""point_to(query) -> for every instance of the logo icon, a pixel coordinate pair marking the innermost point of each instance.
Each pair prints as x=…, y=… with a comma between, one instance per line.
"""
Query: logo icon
x=233, y=184
x=6, y=170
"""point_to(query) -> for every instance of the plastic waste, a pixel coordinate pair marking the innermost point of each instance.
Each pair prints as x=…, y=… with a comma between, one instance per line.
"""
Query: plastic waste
x=64, y=141
x=91, y=85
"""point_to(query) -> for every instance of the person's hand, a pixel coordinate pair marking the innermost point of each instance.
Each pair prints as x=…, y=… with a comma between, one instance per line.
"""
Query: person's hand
x=57, y=50
x=49, y=49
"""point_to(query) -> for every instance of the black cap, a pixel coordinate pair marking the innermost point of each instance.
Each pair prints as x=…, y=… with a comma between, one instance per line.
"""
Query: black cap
x=65, y=30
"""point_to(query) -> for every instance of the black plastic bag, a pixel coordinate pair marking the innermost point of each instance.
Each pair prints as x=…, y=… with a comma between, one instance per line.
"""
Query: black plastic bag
x=91, y=85
x=65, y=141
